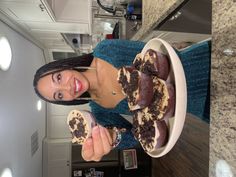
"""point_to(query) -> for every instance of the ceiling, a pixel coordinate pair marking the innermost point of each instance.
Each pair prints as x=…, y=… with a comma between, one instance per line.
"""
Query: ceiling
x=19, y=117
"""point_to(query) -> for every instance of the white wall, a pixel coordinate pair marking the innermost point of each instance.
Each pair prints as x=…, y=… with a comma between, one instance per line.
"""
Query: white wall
x=19, y=118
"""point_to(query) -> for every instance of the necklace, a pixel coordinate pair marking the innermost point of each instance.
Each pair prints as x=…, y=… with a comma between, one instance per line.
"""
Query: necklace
x=113, y=93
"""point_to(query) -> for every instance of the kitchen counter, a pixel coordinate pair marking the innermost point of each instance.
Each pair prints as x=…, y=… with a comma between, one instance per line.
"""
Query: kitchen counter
x=154, y=12
x=186, y=159
x=223, y=77
x=223, y=89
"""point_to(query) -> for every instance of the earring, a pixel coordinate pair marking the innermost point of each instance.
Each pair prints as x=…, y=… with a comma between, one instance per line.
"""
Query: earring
x=84, y=98
x=85, y=67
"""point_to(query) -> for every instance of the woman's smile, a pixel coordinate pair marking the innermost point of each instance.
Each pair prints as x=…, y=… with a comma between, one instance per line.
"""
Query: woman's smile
x=78, y=86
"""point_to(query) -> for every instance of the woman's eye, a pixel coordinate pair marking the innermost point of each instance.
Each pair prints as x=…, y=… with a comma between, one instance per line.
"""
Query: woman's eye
x=60, y=96
x=58, y=77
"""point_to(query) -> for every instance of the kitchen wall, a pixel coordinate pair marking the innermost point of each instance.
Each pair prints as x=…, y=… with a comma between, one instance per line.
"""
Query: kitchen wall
x=101, y=26
x=19, y=117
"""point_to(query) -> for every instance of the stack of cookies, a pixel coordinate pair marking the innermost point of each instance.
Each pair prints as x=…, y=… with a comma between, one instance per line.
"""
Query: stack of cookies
x=150, y=97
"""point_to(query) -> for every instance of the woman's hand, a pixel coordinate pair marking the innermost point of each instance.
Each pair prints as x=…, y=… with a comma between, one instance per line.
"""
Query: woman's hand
x=95, y=147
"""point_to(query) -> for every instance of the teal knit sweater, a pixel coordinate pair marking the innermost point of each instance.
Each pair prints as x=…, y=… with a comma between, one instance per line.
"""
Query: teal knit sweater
x=196, y=63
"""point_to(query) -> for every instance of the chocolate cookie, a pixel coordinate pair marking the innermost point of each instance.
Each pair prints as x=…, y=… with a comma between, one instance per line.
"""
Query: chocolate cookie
x=137, y=86
x=151, y=134
x=153, y=63
x=163, y=101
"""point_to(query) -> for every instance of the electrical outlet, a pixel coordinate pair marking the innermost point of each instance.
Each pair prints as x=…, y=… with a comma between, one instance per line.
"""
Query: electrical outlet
x=77, y=173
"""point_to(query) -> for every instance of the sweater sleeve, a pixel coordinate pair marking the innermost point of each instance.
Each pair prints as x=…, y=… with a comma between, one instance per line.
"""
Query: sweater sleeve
x=118, y=52
x=107, y=118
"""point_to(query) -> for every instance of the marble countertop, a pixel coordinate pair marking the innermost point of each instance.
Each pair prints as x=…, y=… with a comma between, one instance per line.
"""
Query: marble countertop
x=223, y=77
x=154, y=11
x=223, y=90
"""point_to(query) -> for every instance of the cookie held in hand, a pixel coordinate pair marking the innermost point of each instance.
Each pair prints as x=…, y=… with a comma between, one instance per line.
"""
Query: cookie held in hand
x=153, y=63
x=137, y=86
x=80, y=125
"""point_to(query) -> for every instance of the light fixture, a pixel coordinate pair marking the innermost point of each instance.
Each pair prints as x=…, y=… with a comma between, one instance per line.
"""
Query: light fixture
x=5, y=53
x=6, y=173
x=39, y=105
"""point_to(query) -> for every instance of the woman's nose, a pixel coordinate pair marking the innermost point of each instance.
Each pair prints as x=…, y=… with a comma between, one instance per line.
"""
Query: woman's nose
x=67, y=87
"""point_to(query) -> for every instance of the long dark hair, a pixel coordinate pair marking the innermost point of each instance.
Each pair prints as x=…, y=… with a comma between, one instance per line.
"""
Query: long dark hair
x=60, y=65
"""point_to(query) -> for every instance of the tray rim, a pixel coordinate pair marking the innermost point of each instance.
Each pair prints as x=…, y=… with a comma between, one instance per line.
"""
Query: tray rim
x=177, y=121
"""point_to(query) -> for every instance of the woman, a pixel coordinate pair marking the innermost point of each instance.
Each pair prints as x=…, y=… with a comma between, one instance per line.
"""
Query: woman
x=93, y=78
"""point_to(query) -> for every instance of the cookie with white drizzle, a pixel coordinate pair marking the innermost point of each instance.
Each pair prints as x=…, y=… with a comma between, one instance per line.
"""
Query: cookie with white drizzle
x=80, y=125
x=163, y=103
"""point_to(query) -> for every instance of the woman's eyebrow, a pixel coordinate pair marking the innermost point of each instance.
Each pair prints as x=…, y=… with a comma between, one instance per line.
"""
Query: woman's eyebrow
x=54, y=96
x=53, y=77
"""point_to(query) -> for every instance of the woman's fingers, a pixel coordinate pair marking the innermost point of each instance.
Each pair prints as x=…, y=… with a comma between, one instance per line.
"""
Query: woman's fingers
x=106, y=140
x=87, y=150
x=99, y=145
x=110, y=138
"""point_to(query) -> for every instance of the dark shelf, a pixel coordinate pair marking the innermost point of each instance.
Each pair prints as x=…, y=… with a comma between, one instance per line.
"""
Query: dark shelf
x=192, y=16
x=112, y=164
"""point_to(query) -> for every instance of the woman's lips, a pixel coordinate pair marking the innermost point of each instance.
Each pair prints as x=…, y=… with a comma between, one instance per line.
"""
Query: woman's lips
x=78, y=86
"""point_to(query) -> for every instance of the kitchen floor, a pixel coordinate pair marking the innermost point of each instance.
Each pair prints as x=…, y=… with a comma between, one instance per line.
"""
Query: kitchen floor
x=190, y=155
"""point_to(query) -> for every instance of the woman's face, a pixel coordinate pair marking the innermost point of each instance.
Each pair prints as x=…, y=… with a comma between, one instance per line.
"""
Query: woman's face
x=64, y=85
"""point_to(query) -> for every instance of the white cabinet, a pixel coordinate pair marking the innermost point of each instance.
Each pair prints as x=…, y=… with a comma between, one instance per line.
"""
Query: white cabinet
x=52, y=40
x=26, y=10
x=31, y=1
x=80, y=28
x=50, y=17
x=72, y=11
x=57, y=127
x=56, y=121
x=57, y=158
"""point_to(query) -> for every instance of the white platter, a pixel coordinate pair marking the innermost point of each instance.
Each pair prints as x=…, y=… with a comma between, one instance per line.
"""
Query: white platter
x=176, y=77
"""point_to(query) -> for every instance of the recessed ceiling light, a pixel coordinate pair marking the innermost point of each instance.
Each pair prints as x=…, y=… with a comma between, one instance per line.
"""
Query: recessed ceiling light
x=39, y=105
x=5, y=53
x=6, y=173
